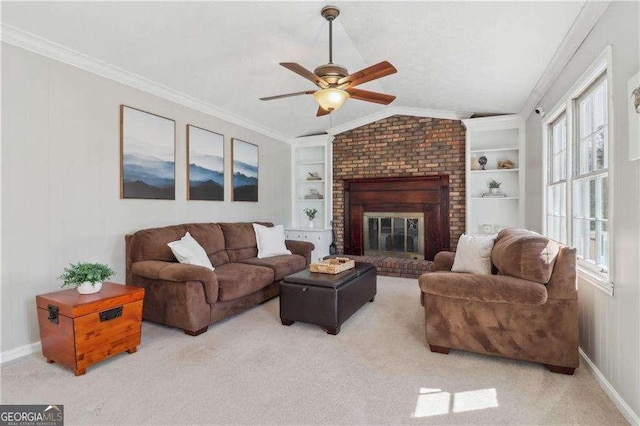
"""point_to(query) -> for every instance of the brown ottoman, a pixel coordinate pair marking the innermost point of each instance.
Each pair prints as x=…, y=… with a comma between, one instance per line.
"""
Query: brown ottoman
x=324, y=299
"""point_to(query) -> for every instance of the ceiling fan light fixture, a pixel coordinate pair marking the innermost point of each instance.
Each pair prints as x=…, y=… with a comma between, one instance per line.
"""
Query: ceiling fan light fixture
x=331, y=99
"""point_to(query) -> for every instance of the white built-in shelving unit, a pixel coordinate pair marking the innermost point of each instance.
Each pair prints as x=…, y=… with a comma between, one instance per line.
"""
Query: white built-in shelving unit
x=496, y=138
x=312, y=154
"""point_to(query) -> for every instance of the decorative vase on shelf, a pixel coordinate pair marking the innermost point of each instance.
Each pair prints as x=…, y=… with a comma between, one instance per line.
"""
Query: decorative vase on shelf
x=474, y=163
x=494, y=190
x=482, y=161
x=310, y=224
x=89, y=288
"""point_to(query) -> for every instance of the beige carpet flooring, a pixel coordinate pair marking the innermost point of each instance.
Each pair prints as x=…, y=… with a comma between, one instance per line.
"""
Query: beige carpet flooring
x=252, y=370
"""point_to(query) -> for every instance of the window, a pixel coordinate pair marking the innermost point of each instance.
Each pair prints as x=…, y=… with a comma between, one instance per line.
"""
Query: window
x=577, y=210
x=590, y=185
x=557, y=180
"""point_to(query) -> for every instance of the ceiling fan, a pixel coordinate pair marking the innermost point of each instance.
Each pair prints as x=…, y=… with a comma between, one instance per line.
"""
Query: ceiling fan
x=335, y=84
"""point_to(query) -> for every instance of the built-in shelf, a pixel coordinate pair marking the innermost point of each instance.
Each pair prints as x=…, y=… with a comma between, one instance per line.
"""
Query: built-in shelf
x=495, y=171
x=480, y=151
x=312, y=156
x=498, y=139
x=309, y=163
x=495, y=198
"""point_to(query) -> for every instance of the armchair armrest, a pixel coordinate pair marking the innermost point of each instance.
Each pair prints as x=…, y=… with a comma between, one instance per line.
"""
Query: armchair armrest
x=303, y=248
x=178, y=272
x=443, y=261
x=563, y=283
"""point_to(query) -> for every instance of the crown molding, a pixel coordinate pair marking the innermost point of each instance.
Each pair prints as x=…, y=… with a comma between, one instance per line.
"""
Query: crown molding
x=391, y=111
x=41, y=46
x=583, y=24
x=494, y=122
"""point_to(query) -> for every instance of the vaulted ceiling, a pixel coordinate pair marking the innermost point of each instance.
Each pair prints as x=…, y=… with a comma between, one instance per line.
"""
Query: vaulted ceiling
x=476, y=57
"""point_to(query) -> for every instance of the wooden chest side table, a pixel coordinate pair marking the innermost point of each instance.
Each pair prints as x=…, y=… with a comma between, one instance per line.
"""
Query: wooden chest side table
x=78, y=330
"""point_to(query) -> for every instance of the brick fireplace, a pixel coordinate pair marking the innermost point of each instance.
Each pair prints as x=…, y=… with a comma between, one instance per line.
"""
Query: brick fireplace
x=401, y=146
x=399, y=204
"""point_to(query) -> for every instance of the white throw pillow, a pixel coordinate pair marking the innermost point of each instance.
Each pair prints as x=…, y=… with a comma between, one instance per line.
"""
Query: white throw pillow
x=473, y=254
x=270, y=241
x=188, y=251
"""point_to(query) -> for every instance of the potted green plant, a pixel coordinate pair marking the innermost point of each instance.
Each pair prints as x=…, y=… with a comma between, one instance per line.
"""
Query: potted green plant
x=311, y=214
x=494, y=186
x=86, y=277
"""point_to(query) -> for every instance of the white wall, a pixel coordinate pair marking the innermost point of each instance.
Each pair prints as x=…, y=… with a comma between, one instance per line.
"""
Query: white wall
x=60, y=180
x=609, y=326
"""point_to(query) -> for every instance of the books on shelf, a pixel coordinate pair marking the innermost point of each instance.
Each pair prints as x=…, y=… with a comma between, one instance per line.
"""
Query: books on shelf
x=497, y=195
x=313, y=194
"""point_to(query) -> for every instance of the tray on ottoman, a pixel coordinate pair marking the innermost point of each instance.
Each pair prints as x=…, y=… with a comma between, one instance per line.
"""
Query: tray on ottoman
x=332, y=266
x=326, y=300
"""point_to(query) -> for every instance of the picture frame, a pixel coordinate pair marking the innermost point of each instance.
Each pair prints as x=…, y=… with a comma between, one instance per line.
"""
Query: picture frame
x=245, y=163
x=205, y=164
x=147, y=155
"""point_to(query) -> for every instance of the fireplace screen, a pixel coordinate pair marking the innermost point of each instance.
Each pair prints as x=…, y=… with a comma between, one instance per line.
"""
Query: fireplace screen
x=394, y=234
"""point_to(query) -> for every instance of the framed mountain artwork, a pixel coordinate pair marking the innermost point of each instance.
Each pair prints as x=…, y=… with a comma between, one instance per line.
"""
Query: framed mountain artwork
x=205, y=160
x=147, y=155
x=245, y=170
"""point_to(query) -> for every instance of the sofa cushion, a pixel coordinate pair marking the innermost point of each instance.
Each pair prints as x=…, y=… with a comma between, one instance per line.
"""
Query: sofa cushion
x=484, y=288
x=240, y=240
x=524, y=254
x=281, y=265
x=270, y=241
x=188, y=251
x=151, y=244
x=473, y=254
x=239, y=279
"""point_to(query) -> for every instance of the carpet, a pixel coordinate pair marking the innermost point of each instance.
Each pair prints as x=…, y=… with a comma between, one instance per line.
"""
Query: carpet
x=250, y=369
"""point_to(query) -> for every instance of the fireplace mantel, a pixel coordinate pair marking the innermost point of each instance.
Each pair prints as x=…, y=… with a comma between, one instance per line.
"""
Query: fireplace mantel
x=426, y=194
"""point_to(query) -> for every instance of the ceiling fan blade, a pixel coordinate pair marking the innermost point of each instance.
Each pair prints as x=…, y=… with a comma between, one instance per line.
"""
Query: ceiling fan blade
x=302, y=71
x=321, y=112
x=365, y=95
x=373, y=72
x=270, y=98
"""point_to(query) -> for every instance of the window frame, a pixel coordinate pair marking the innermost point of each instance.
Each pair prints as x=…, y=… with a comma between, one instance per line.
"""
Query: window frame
x=548, y=154
x=601, y=69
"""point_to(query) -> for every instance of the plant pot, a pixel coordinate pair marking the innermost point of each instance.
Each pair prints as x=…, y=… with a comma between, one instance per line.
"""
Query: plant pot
x=494, y=190
x=89, y=288
x=310, y=224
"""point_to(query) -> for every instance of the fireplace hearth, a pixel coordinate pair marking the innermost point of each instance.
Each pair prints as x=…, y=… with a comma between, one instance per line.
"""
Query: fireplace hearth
x=397, y=217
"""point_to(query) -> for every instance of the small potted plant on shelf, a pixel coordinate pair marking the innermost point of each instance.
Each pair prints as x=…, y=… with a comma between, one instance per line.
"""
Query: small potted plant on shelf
x=86, y=277
x=311, y=214
x=494, y=186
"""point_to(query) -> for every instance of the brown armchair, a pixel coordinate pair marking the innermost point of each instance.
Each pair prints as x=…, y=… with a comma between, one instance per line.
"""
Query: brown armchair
x=516, y=313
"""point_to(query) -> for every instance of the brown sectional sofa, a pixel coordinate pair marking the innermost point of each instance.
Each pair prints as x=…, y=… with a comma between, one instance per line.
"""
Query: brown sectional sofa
x=528, y=311
x=193, y=297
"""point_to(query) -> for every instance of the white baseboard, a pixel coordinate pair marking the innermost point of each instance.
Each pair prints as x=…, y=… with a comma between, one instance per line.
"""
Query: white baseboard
x=622, y=405
x=16, y=353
